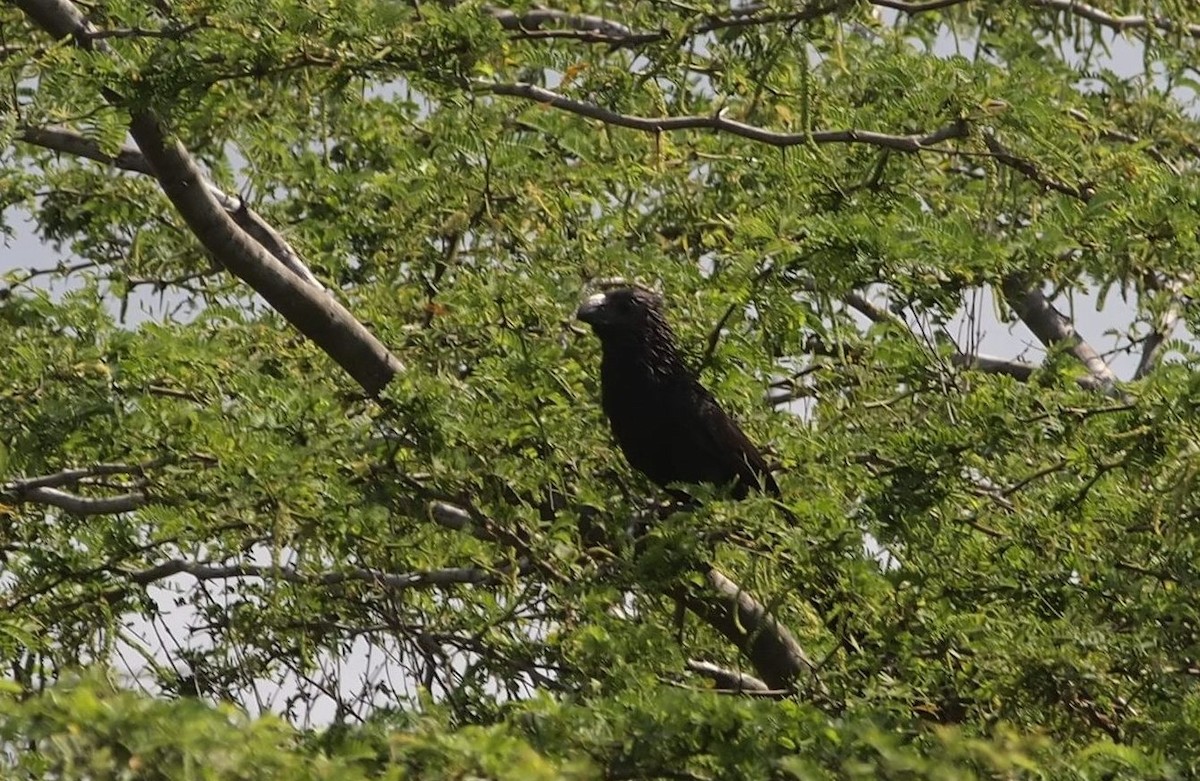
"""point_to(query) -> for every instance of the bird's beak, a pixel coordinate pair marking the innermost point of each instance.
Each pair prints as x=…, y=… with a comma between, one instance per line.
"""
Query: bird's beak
x=590, y=310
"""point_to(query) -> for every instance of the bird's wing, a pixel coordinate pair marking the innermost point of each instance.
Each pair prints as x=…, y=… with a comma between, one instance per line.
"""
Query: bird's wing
x=715, y=448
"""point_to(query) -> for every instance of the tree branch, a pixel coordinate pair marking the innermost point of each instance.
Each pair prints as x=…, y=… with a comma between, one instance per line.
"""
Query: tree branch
x=717, y=122
x=474, y=576
x=46, y=489
x=777, y=657
x=1167, y=320
x=315, y=314
x=917, y=6
x=1070, y=7
x=74, y=475
x=1031, y=171
x=84, y=505
x=535, y=18
x=131, y=159
x=734, y=681
x=989, y=364
x=1118, y=23
x=596, y=29
x=736, y=615
x=994, y=365
x=1052, y=328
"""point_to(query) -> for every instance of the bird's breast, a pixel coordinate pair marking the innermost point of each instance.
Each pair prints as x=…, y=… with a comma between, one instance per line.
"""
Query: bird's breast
x=636, y=408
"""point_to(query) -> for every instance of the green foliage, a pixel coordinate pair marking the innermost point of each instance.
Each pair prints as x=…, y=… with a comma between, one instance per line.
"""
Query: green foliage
x=993, y=570
x=88, y=729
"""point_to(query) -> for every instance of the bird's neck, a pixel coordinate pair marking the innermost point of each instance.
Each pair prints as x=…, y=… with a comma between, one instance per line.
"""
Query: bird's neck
x=641, y=357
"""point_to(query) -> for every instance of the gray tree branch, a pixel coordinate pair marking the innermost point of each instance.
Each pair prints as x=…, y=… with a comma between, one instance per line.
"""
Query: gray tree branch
x=597, y=29
x=76, y=474
x=131, y=159
x=536, y=18
x=47, y=489
x=774, y=652
x=473, y=576
x=732, y=612
x=1069, y=7
x=1163, y=327
x=904, y=143
x=729, y=680
x=83, y=505
x=989, y=364
x=1051, y=328
x=1119, y=23
x=318, y=316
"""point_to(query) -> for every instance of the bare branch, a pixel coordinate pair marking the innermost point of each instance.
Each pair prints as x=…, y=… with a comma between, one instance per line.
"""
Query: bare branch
x=474, y=576
x=1167, y=320
x=74, y=475
x=1018, y=370
x=717, y=122
x=131, y=159
x=994, y=365
x=455, y=518
x=63, y=140
x=872, y=311
x=1051, y=327
x=918, y=6
x=777, y=657
x=535, y=18
x=596, y=29
x=315, y=314
x=588, y=28
x=989, y=364
x=481, y=527
x=1108, y=134
x=1118, y=23
x=1070, y=7
x=83, y=505
x=46, y=489
x=1031, y=171
x=735, y=614
x=730, y=680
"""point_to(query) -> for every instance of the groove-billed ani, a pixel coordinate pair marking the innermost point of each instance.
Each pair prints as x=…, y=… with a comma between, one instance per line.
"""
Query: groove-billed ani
x=667, y=424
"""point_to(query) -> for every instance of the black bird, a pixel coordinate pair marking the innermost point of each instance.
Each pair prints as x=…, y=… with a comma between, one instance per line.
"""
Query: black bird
x=666, y=423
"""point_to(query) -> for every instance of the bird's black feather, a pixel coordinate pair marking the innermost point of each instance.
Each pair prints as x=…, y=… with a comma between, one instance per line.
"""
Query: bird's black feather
x=666, y=423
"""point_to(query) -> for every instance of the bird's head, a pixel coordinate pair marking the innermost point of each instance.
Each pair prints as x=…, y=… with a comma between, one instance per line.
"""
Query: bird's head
x=624, y=309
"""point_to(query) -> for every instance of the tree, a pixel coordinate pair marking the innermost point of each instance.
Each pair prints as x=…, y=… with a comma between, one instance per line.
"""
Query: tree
x=311, y=428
